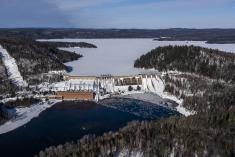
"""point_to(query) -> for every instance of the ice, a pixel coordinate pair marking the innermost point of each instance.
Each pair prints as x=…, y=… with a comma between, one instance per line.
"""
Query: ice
x=117, y=56
x=25, y=115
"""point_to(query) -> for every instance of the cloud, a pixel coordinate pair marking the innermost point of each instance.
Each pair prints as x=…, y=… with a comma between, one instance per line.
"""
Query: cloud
x=31, y=13
x=169, y=5
x=117, y=13
x=69, y=5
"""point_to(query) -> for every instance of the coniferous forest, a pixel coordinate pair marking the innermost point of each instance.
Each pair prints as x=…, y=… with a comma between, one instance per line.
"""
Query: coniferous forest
x=202, y=61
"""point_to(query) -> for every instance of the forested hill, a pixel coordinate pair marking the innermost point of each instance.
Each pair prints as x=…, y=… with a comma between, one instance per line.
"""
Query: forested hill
x=203, y=61
x=35, y=58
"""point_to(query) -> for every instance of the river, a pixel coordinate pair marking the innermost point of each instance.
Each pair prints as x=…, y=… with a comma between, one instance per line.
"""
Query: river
x=67, y=121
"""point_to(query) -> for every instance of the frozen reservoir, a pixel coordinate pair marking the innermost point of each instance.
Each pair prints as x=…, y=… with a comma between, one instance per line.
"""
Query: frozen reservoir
x=117, y=56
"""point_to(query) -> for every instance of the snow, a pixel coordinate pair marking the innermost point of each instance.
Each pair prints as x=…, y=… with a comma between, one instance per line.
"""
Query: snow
x=116, y=56
x=12, y=68
x=75, y=84
x=157, y=86
x=108, y=84
x=127, y=153
x=62, y=72
x=25, y=115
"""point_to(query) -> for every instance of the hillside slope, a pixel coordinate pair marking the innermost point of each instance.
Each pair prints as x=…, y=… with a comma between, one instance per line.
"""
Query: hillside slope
x=35, y=58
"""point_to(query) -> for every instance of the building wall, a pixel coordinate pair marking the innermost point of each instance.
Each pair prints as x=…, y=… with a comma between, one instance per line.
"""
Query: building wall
x=88, y=96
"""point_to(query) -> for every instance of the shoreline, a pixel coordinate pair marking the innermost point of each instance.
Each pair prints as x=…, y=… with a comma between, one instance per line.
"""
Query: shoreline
x=148, y=110
x=25, y=115
x=149, y=97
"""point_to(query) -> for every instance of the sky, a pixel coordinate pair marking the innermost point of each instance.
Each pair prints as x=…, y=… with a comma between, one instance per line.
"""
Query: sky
x=150, y=14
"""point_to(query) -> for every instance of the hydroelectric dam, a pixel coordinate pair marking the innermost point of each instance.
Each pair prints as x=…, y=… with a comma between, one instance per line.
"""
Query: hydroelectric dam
x=103, y=86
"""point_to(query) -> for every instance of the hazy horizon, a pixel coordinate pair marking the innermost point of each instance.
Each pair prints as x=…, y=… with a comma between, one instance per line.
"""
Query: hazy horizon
x=114, y=28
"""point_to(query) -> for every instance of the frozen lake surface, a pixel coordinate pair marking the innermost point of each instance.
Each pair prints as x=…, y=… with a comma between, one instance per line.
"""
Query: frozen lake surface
x=117, y=56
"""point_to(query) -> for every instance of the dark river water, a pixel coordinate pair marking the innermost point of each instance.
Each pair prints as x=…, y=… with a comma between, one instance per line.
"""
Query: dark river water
x=64, y=122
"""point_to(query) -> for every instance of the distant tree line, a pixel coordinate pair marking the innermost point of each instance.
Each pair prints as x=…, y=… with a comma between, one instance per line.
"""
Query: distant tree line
x=70, y=44
x=175, y=34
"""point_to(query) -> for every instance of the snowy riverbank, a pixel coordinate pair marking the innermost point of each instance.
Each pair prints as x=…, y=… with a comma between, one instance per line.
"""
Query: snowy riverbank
x=156, y=85
x=25, y=115
x=151, y=98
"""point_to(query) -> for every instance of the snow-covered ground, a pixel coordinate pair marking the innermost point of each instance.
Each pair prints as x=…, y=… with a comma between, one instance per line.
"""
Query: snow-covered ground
x=12, y=68
x=25, y=115
x=156, y=85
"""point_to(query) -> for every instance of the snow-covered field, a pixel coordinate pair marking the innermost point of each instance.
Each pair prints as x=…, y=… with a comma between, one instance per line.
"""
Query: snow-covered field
x=25, y=115
x=12, y=68
x=117, y=56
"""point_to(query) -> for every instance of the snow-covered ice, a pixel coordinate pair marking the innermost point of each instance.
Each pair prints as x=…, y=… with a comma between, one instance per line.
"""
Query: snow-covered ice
x=25, y=115
x=12, y=68
x=117, y=56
